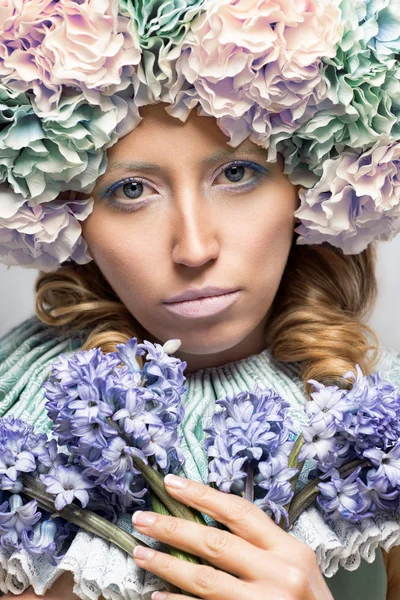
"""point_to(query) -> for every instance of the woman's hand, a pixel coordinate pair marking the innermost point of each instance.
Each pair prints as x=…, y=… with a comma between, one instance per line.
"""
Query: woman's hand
x=257, y=561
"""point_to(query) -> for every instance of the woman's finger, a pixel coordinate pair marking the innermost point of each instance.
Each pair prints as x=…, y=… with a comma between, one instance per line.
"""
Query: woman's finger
x=167, y=596
x=200, y=580
x=223, y=549
x=241, y=516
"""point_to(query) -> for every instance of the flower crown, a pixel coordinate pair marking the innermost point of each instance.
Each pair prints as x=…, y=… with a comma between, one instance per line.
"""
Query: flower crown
x=316, y=81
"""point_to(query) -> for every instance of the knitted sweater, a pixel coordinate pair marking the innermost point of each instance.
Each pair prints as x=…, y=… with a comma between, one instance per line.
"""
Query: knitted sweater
x=348, y=554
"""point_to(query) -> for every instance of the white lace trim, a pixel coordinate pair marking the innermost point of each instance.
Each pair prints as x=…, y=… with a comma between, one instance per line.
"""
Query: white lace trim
x=101, y=569
x=341, y=543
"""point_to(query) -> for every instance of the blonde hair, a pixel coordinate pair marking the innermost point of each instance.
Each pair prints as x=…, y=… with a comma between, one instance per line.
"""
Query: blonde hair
x=317, y=318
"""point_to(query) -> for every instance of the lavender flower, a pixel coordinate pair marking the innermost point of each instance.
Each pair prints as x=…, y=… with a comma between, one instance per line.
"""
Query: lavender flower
x=67, y=483
x=340, y=498
x=106, y=418
x=47, y=539
x=277, y=482
x=248, y=444
x=19, y=518
x=388, y=464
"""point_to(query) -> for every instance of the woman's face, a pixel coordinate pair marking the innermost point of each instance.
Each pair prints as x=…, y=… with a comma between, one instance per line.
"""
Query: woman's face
x=203, y=214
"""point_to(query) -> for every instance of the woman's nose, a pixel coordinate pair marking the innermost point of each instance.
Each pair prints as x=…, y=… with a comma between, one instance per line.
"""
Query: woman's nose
x=195, y=234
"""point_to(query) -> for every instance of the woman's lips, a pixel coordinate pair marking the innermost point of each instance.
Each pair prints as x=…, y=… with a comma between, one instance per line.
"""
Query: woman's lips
x=202, y=307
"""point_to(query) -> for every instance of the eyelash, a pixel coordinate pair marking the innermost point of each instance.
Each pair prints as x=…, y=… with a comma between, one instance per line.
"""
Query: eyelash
x=259, y=173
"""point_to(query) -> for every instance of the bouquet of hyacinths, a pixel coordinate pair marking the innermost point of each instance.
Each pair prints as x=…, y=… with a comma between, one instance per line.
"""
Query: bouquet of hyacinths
x=115, y=421
x=115, y=437
x=352, y=443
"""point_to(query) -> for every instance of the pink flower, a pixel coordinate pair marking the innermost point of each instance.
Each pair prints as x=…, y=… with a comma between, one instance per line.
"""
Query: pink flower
x=266, y=55
x=43, y=236
x=86, y=45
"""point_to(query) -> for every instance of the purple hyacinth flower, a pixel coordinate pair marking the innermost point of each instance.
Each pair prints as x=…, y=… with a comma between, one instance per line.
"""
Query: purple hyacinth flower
x=329, y=403
x=119, y=457
x=20, y=517
x=88, y=404
x=388, y=463
x=160, y=440
x=47, y=540
x=92, y=434
x=340, y=498
x=319, y=441
x=52, y=458
x=133, y=411
x=376, y=493
x=127, y=354
x=12, y=463
x=228, y=474
x=67, y=483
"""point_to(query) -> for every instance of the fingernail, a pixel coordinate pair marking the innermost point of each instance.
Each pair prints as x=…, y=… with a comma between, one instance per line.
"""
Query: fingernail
x=175, y=482
x=143, y=553
x=159, y=596
x=143, y=518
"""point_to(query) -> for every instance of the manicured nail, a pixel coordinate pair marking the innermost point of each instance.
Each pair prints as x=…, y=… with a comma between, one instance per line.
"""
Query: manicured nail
x=143, y=553
x=175, y=482
x=143, y=518
x=159, y=596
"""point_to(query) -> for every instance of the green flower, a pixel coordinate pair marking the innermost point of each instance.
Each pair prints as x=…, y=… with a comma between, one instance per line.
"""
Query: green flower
x=63, y=150
x=363, y=98
x=162, y=26
x=168, y=20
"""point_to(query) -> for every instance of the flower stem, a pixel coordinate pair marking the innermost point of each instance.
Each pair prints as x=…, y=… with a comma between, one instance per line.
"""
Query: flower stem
x=309, y=493
x=249, y=487
x=86, y=519
x=159, y=508
x=155, y=481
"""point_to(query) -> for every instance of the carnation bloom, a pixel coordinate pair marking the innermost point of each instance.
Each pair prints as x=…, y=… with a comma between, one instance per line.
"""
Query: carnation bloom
x=47, y=45
x=356, y=200
x=247, y=60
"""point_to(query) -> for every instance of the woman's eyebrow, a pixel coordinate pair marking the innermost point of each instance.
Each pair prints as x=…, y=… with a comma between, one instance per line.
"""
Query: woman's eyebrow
x=221, y=154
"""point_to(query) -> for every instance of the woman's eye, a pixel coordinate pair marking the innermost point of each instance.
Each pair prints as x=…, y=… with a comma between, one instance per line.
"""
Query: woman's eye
x=124, y=193
x=236, y=173
x=129, y=189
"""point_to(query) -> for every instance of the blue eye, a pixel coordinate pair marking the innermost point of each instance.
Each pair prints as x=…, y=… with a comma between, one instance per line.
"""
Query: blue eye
x=132, y=188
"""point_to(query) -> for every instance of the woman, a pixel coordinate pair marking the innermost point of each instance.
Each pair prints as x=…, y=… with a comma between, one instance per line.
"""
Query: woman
x=207, y=219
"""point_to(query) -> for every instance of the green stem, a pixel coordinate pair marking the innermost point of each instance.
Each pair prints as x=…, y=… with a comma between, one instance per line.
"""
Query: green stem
x=293, y=463
x=159, y=508
x=249, y=487
x=86, y=519
x=309, y=493
x=155, y=481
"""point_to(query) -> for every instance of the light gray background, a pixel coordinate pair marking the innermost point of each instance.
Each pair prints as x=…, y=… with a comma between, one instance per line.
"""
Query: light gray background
x=17, y=298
